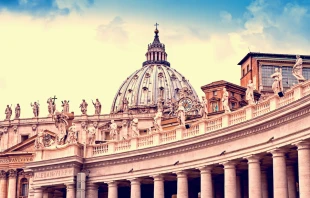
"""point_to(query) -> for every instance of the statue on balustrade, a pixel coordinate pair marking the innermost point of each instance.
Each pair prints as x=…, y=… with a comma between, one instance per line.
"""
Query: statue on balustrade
x=297, y=69
x=39, y=141
x=157, y=121
x=113, y=130
x=225, y=101
x=8, y=112
x=65, y=106
x=125, y=105
x=51, y=106
x=17, y=111
x=61, y=123
x=35, y=109
x=160, y=104
x=134, y=128
x=72, y=135
x=83, y=107
x=91, y=130
x=204, y=108
x=277, y=85
x=181, y=115
x=97, y=106
x=170, y=108
x=124, y=130
x=250, y=93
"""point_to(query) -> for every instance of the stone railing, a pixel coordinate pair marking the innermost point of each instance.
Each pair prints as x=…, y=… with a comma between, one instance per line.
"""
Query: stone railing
x=204, y=125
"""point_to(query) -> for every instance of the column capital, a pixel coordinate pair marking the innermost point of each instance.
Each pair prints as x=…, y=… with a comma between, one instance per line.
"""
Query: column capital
x=253, y=159
x=3, y=174
x=135, y=181
x=205, y=169
x=302, y=145
x=278, y=152
x=158, y=177
x=112, y=183
x=229, y=164
x=70, y=186
x=12, y=173
x=181, y=174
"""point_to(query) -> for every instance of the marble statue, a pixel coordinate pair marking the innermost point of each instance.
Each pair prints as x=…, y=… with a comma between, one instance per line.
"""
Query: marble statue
x=157, y=121
x=65, y=106
x=113, y=130
x=91, y=130
x=8, y=112
x=134, y=128
x=39, y=141
x=181, y=115
x=61, y=123
x=125, y=104
x=83, y=107
x=17, y=111
x=72, y=134
x=225, y=101
x=160, y=106
x=277, y=85
x=124, y=130
x=35, y=109
x=204, y=108
x=297, y=69
x=170, y=108
x=97, y=106
x=250, y=93
x=51, y=106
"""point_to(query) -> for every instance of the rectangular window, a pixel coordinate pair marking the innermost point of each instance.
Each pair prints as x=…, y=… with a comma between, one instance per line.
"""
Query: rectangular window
x=214, y=106
x=24, y=137
x=243, y=72
x=214, y=93
x=248, y=68
x=232, y=94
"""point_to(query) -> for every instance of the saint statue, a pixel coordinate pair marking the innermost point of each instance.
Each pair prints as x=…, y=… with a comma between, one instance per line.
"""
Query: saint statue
x=297, y=69
x=134, y=128
x=35, y=109
x=277, y=85
x=72, y=134
x=97, y=106
x=157, y=121
x=17, y=111
x=204, y=108
x=61, y=123
x=125, y=104
x=181, y=115
x=39, y=141
x=225, y=101
x=8, y=112
x=83, y=107
x=91, y=134
x=65, y=105
x=113, y=130
x=51, y=106
x=250, y=93
x=160, y=106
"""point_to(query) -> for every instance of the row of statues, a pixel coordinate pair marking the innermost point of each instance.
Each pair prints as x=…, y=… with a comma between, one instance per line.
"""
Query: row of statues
x=51, y=108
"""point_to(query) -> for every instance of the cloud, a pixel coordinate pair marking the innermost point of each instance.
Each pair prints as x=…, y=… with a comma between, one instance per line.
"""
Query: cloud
x=113, y=31
x=225, y=16
x=44, y=8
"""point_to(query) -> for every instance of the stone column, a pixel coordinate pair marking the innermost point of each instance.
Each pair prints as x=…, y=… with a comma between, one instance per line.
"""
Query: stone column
x=38, y=192
x=159, y=190
x=206, y=186
x=48, y=193
x=255, y=183
x=182, y=189
x=135, y=185
x=304, y=168
x=3, y=184
x=291, y=181
x=91, y=190
x=264, y=184
x=112, y=189
x=230, y=184
x=279, y=173
x=12, y=184
x=238, y=180
x=71, y=190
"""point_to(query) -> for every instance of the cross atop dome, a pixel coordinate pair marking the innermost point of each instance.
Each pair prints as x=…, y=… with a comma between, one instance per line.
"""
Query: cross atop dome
x=156, y=30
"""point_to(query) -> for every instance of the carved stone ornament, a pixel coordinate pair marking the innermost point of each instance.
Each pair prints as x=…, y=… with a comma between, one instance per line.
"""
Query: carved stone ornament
x=83, y=125
x=5, y=129
x=34, y=127
x=3, y=174
x=95, y=124
x=12, y=173
x=15, y=127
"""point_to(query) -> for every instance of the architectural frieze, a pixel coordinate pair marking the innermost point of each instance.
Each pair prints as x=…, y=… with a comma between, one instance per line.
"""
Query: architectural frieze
x=15, y=160
x=261, y=126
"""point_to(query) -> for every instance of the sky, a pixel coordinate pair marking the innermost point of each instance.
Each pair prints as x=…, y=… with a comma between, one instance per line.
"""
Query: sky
x=85, y=49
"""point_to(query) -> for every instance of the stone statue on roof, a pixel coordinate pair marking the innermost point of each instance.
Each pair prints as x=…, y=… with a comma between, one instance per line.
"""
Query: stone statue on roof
x=8, y=112
x=297, y=69
x=250, y=93
x=277, y=85
x=225, y=101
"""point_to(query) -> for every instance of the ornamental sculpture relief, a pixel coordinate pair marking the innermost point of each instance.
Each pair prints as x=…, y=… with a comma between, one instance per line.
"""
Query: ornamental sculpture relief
x=113, y=130
x=91, y=134
x=61, y=123
x=15, y=127
x=134, y=128
x=34, y=127
x=43, y=140
x=72, y=135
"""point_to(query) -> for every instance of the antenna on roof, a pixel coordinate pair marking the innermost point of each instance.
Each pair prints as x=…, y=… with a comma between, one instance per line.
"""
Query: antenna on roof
x=249, y=49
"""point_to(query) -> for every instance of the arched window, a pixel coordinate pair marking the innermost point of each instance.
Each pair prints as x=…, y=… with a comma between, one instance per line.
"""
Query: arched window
x=24, y=186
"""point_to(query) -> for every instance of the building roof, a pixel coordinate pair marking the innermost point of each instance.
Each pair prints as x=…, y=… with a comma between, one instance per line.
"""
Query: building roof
x=271, y=55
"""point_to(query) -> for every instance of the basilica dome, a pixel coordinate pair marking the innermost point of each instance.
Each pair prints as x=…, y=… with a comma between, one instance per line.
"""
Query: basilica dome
x=155, y=81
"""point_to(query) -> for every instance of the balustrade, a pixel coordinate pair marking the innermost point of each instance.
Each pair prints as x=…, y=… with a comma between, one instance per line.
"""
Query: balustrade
x=214, y=124
x=261, y=108
x=237, y=117
x=287, y=98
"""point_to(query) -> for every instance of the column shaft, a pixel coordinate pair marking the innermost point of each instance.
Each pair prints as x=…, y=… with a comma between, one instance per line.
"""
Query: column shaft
x=38, y=193
x=135, y=191
x=304, y=169
x=264, y=184
x=112, y=191
x=206, y=186
x=71, y=190
x=291, y=181
x=279, y=174
x=238, y=180
x=159, y=189
x=182, y=188
x=230, y=183
x=3, y=184
x=255, y=183
x=91, y=190
x=12, y=184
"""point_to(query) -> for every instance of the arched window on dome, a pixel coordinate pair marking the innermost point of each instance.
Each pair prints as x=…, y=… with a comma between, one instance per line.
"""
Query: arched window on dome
x=24, y=187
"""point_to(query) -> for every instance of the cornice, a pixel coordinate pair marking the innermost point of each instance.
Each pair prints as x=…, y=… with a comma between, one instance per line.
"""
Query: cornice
x=257, y=125
x=55, y=162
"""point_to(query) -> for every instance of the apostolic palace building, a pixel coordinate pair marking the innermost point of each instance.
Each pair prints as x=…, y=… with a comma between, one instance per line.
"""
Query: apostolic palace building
x=161, y=140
